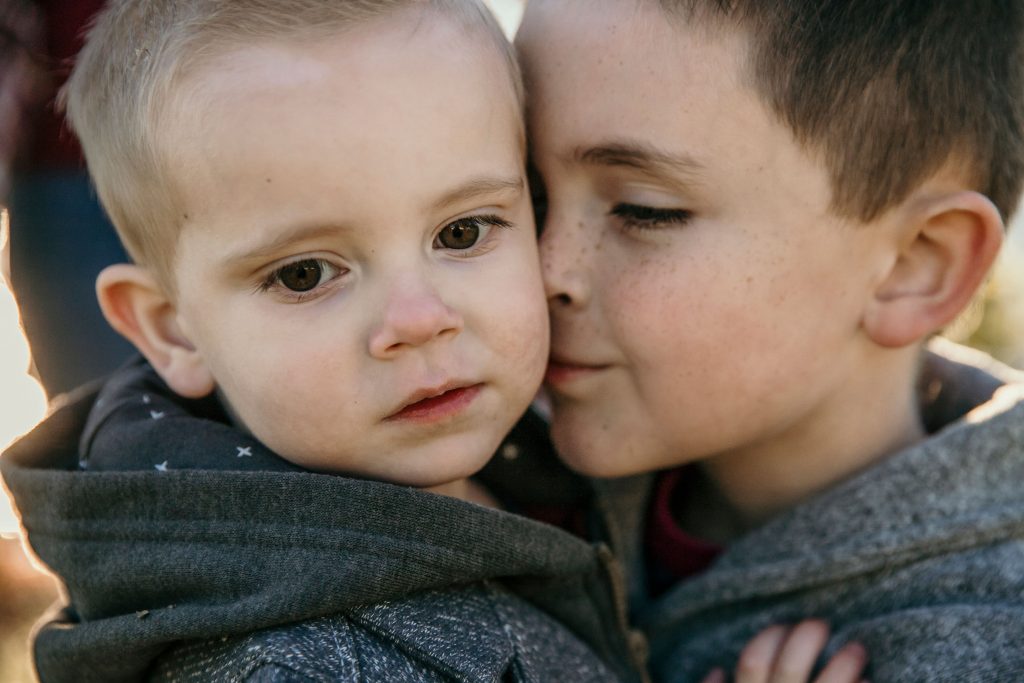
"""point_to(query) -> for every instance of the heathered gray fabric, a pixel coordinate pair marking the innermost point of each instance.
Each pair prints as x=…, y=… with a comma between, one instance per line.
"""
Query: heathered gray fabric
x=397, y=641
x=153, y=560
x=920, y=558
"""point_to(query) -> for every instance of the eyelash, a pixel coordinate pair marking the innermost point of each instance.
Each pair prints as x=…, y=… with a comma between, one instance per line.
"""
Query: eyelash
x=636, y=217
x=273, y=280
x=479, y=221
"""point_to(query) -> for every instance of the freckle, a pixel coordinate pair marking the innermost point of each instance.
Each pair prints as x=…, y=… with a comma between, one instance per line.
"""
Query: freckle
x=268, y=180
x=185, y=216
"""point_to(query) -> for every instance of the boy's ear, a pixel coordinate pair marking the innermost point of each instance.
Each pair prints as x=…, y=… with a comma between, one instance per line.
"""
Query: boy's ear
x=947, y=249
x=136, y=306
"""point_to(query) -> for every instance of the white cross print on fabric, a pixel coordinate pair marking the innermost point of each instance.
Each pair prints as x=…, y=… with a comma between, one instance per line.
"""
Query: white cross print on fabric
x=162, y=467
x=156, y=414
x=244, y=451
x=146, y=399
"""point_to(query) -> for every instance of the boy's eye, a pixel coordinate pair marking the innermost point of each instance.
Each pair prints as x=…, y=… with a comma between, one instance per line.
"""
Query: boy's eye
x=466, y=233
x=649, y=217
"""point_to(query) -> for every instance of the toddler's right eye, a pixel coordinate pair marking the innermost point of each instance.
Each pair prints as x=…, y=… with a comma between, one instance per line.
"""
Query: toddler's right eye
x=301, y=277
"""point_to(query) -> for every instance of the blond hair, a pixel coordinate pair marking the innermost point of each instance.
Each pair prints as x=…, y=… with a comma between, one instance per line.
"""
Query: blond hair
x=136, y=53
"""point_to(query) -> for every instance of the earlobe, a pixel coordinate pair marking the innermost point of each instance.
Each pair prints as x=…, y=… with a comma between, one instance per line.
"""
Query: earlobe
x=136, y=306
x=948, y=248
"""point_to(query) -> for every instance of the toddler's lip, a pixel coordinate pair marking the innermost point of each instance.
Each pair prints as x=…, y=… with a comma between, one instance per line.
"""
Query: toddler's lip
x=432, y=403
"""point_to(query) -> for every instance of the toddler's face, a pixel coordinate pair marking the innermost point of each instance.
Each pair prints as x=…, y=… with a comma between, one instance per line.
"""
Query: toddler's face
x=703, y=296
x=358, y=267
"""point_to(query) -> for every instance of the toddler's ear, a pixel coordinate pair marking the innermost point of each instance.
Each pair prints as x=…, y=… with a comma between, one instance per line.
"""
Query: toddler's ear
x=135, y=305
x=947, y=249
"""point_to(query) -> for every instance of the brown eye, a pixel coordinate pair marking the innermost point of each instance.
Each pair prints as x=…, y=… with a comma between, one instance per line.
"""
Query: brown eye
x=466, y=233
x=461, y=234
x=301, y=276
x=302, y=280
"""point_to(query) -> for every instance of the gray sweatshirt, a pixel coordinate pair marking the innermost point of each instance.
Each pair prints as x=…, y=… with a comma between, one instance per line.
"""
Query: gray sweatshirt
x=920, y=557
x=208, y=575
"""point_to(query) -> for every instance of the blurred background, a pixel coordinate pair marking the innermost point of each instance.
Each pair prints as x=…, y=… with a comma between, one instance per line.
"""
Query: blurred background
x=55, y=239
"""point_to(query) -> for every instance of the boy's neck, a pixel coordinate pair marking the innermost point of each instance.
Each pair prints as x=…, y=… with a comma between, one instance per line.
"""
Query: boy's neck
x=871, y=417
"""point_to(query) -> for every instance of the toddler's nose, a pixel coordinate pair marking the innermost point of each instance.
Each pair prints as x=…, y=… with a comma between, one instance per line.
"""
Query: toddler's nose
x=414, y=315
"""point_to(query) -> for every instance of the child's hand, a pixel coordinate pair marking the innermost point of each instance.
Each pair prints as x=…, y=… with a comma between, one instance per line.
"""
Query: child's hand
x=786, y=654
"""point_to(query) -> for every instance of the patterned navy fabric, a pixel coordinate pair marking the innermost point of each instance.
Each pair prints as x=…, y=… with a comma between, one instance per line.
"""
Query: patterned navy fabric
x=138, y=423
x=192, y=553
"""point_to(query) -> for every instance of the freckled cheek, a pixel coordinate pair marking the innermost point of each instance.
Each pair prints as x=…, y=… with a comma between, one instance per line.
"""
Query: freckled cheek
x=647, y=303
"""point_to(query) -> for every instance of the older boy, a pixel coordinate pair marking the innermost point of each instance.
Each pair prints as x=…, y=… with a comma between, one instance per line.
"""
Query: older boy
x=757, y=214
x=335, y=272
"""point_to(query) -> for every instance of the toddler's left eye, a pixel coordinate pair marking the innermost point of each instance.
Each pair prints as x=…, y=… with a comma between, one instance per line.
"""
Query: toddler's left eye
x=459, y=235
x=466, y=233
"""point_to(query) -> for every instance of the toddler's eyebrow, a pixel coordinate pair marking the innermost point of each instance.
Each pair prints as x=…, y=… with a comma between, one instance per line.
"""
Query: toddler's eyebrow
x=478, y=187
x=638, y=155
x=282, y=239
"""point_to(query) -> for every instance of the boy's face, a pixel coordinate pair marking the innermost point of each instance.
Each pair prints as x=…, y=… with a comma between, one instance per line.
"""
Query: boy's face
x=704, y=300
x=358, y=268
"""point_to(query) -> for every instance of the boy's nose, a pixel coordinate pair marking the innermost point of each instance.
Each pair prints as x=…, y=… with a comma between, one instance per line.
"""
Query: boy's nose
x=413, y=315
x=563, y=255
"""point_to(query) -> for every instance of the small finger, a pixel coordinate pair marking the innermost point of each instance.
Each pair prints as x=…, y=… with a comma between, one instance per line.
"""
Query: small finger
x=846, y=665
x=800, y=652
x=758, y=657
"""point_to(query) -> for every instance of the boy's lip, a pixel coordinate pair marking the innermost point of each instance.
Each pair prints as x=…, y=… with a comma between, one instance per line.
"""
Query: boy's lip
x=434, y=403
x=562, y=370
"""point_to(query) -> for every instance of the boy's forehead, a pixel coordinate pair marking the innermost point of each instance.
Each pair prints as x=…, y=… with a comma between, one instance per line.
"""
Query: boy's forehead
x=631, y=38
x=635, y=96
x=629, y=64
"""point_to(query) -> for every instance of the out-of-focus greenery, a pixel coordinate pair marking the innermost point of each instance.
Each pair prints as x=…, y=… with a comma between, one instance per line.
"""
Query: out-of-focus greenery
x=994, y=322
x=25, y=593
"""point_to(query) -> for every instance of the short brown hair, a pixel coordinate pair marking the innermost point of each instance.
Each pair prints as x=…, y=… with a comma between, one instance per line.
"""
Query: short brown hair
x=890, y=91
x=126, y=75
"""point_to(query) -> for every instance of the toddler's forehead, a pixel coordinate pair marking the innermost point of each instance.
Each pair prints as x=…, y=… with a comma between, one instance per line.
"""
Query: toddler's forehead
x=351, y=56
x=377, y=119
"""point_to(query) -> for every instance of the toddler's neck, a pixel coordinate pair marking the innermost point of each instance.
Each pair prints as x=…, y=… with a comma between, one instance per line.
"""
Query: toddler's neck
x=467, y=490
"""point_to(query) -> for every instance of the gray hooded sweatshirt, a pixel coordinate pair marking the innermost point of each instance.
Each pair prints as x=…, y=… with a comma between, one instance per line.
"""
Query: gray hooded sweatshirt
x=288, y=576
x=920, y=557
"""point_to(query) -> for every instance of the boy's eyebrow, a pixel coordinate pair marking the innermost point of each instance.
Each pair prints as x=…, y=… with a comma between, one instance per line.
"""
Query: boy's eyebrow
x=638, y=155
x=476, y=187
